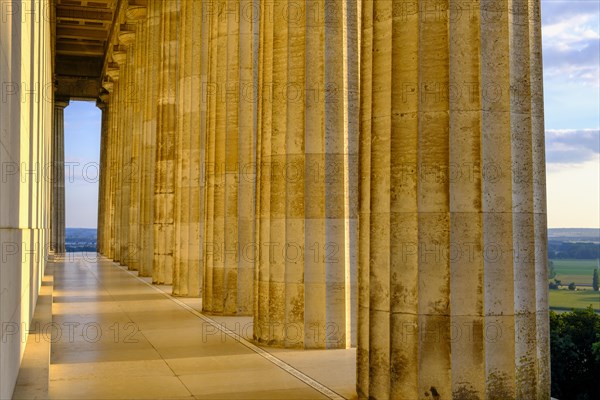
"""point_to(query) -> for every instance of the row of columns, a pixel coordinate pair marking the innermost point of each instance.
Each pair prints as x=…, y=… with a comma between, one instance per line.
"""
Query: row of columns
x=351, y=173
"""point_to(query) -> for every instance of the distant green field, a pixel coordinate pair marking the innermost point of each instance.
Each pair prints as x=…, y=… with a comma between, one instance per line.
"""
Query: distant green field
x=567, y=299
x=578, y=271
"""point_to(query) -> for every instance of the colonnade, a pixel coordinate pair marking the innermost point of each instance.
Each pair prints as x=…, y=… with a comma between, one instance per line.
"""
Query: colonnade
x=344, y=171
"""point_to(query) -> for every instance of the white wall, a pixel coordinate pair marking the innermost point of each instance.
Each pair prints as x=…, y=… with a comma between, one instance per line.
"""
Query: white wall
x=26, y=106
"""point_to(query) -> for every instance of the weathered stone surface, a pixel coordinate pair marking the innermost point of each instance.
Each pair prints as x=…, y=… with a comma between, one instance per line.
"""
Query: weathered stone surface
x=452, y=254
x=306, y=148
x=191, y=134
x=165, y=176
x=230, y=166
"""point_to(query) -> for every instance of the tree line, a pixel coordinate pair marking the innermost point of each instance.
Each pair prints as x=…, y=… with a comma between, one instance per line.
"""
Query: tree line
x=573, y=250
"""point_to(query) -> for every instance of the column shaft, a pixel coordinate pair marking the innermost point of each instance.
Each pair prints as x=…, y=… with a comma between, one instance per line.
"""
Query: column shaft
x=102, y=185
x=149, y=137
x=106, y=178
x=189, y=196
x=230, y=168
x=453, y=296
x=136, y=95
x=166, y=139
x=306, y=67
x=118, y=166
x=58, y=190
x=126, y=157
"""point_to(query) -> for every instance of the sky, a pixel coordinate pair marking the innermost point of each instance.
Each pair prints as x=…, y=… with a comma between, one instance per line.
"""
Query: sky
x=571, y=51
x=571, y=37
x=82, y=155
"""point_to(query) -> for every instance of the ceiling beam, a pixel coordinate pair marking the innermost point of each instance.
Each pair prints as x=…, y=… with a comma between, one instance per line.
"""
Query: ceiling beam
x=80, y=49
x=77, y=87
x=81, y=33
x=84, y=13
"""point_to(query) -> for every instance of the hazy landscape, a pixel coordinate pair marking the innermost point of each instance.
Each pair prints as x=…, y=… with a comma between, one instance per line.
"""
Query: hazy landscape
x=80, y=239
x=573, y=256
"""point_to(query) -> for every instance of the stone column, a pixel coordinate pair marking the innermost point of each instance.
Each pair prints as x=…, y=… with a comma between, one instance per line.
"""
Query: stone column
x=247, y=95
x=148, y=151
x=136, y=16
x=453, y=295
x=58, y=178
x=230, y=167
x=102, y=104
x=116, y=167
x=304, y=295
x=127, y=172
x=166, y=140
x=111, y=171
x=540, y=211
x=107, y=169
x=191, y=132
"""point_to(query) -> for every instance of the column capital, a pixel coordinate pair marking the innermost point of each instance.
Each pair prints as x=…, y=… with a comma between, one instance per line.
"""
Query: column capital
x=61, y=102
x=108, y=85
x=103, y=100
x=126, y=34
x=113, y=71
x=100, y=104
x=136, y=10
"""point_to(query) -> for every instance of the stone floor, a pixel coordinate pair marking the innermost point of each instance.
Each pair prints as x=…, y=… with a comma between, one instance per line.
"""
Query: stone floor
x=114, y=335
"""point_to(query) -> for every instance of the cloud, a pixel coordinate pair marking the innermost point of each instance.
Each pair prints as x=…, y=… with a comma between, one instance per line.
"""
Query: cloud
x=571, y=35
x=557, y=10
x=572, y=146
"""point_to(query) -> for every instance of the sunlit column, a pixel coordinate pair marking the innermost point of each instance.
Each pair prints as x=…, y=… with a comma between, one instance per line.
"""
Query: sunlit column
x=453, y=296
x=103, y=105
x=245, y=82
x=58, y=189
x=115, y=138
x=191, y=131
x=166, y=142
x=107, y=169
x=230, y=167
x=151, y=54
x=307, y=66
x=136, y=17
x=127, y=168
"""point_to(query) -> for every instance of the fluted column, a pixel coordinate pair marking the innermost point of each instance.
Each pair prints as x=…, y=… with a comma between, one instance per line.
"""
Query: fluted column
x=107, y=171
x=189, y=196
x=247, y=89
x=304, y=276
x=230, y=167
x=58, y=177
x=166, y=139
x=148, y=151
x=127, y=166
x=117, y=172
x=111, y=169
x=540, y=211
x=136, y=18
x=453, y=296
x=103, y=105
